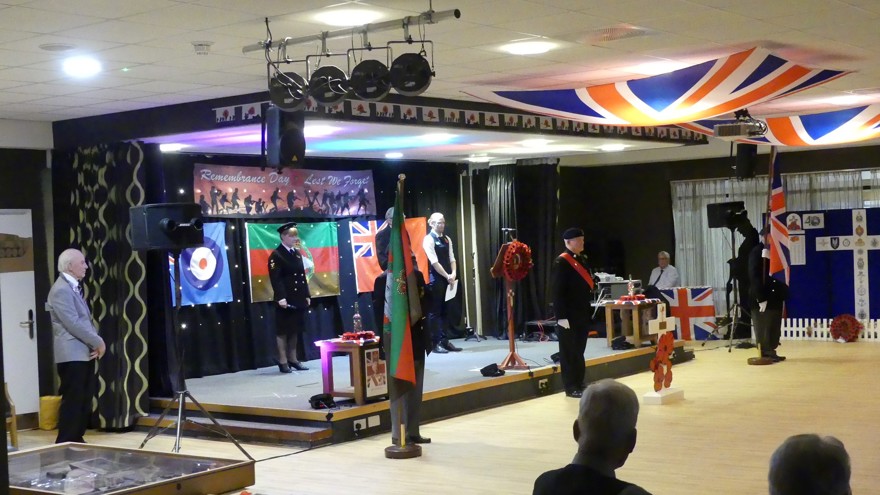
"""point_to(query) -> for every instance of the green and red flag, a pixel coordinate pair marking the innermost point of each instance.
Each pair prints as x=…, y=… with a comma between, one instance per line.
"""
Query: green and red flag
x=401, y=294
x=320, y=251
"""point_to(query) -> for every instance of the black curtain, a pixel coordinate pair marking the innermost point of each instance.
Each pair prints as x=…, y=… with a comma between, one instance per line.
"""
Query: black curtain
x=502, y=214
x=93, y=189
x=536, y=189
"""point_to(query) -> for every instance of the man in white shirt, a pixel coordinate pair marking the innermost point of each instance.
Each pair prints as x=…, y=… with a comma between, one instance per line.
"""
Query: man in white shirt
x=438, y=249
x=664, y=276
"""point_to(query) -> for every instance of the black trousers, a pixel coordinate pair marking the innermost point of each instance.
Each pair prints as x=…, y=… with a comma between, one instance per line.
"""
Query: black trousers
x=437, y=317
x=77, y=390
x=768, y=328
x=572, y=344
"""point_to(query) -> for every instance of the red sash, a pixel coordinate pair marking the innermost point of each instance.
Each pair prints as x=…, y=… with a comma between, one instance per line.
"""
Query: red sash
x=578, y=268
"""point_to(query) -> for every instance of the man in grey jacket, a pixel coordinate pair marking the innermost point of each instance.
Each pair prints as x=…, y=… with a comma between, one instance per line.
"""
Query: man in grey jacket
x=76, y=344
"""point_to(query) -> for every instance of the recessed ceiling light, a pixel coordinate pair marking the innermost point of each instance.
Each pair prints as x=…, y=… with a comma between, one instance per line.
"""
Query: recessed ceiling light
x=394, y=155
x=657, y=68
x=318, y=131
x=171, y=147
x=57, y=47
x=437, y=137
x=81, y=66
x=347, y=17
x=613, y=147
x=529, y=47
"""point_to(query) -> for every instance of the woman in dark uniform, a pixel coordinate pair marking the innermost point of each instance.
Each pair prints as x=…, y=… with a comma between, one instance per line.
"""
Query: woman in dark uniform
x=292, y=298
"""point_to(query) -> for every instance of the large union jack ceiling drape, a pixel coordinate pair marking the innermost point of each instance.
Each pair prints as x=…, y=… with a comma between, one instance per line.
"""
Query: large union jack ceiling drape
x=840, y=126
x=702, y=91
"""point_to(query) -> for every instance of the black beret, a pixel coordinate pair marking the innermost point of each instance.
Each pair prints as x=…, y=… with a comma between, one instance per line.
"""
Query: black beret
x=287, y=226
x=572, y=233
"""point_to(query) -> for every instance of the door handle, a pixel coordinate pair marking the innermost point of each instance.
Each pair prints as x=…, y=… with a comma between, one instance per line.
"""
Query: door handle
x=29, y=324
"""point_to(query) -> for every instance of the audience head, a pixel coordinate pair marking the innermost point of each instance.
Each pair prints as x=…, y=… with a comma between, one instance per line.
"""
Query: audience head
x=606, y=425
x=810, y=465
x=663, y=259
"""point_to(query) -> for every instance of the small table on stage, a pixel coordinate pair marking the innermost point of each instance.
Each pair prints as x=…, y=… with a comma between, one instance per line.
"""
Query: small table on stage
x=367, y=371
x=633, y=319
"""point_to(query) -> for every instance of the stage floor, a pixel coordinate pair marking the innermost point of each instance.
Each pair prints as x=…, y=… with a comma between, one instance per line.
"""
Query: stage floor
x=268, y=388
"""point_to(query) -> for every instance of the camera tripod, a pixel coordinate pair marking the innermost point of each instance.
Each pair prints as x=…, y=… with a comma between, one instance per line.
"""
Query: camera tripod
x=180, y=391
x=732, y=317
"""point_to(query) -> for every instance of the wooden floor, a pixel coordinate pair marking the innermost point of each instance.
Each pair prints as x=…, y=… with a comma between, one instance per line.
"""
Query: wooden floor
x=718, y=441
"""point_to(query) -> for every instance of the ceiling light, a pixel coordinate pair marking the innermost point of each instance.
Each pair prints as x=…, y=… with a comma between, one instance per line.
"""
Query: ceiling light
x=394, y=155
x=529, y=47
x=81, y=66
x=319, y=131
x=57, y=47
x=535, y=143
x=171, y=147
x=347, y=17
x=479, y=159
x=437, y=137
x=656, y=68
x=613, y=147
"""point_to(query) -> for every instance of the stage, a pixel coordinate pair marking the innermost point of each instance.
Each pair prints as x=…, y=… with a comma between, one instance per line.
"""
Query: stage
x=266, y=405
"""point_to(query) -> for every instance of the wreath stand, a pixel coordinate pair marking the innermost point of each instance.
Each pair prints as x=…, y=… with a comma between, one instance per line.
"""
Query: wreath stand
x=513, y=262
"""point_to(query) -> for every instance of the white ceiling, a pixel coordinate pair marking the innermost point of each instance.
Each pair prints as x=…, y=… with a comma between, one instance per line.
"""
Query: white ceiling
x=149, y=61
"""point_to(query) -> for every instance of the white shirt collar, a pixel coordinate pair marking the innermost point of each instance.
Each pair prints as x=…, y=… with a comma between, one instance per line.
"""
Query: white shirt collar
x=70, y=279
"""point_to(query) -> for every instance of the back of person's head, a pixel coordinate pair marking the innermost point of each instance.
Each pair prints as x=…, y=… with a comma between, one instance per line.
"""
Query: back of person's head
x=810, y=465
x=606, y=423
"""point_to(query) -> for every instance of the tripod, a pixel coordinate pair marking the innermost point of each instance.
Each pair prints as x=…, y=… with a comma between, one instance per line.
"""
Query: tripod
x=181, y=393
x=733, y=312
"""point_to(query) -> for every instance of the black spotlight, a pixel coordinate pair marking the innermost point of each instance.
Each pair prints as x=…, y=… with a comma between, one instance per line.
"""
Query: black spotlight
x=328, y=85
x=285, y=142
x=287, y=90
x=370, y=80
x=411, y=74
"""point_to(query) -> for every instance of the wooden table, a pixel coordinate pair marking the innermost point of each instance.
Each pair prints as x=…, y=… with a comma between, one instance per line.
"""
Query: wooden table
x=356, y=352
x=632, y=316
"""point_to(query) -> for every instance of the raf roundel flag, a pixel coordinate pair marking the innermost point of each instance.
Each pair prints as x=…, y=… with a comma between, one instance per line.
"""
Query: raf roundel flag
x=204, y=271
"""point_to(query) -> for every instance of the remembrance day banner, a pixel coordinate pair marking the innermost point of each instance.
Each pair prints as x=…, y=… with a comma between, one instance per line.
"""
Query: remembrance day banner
x=320, y=251
x=229, y=190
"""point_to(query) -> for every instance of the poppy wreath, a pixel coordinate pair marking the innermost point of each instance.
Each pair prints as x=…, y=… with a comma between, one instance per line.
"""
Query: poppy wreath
x=846, y=327
x=517, y=261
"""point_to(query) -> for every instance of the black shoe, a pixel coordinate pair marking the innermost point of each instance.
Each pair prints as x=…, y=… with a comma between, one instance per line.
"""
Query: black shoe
x=284, y=368
x=299, y=366
x=575, y=394
x=439, y=349
x=419, y=439
x=449, y=346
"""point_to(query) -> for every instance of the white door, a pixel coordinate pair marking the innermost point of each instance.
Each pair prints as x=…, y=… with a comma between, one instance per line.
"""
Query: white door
x=17, y=296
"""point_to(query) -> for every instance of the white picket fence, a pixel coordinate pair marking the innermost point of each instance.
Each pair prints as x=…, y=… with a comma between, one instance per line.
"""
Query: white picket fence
x=820, y=329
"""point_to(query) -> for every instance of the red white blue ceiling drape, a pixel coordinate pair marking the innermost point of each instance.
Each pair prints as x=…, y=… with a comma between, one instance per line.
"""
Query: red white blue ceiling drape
x=836, y=127
x=702, y=91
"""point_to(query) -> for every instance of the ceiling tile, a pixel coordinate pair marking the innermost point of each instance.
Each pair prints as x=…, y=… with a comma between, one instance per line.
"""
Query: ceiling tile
x=37, y=21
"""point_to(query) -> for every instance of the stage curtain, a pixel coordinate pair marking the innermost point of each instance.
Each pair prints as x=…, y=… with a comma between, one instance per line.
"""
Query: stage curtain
x=93, y=190
x=824, y=191
x=536, y=197
x=502, y=214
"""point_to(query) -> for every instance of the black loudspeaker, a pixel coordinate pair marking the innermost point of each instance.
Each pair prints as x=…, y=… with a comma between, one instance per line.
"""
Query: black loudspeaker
x=285, y=141
x=746, y=160
x=722, y=215
x=167, y=226
x=491, y=370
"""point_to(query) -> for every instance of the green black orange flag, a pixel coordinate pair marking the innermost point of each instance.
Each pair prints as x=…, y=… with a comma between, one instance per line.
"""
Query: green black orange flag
x=320, y=252
x=401, y=288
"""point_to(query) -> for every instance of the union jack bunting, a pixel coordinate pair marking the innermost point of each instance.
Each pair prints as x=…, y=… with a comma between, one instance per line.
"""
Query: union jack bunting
x=694, y=311
x=701, y=91
x=840, y=126
x=778, y=241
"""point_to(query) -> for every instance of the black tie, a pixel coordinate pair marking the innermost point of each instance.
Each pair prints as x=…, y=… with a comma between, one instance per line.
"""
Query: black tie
x=79, y=290
x=658, y=277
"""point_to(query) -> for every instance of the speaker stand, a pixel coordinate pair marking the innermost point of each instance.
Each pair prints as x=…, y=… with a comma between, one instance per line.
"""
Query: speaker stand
x=181, y=393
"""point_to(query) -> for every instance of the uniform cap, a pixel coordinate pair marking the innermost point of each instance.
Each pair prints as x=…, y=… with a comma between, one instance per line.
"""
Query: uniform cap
x=572, y=233
x=287, y=226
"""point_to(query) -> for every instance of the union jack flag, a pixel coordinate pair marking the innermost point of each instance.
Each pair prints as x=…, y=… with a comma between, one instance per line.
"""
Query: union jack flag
x=701, y=91
x=694, y=311
x=363, y=247
x=778, y=238
x=840, y=126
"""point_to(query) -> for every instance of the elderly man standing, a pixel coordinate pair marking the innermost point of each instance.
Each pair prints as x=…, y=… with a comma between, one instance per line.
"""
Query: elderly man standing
x=76, y=344
x=605, y=431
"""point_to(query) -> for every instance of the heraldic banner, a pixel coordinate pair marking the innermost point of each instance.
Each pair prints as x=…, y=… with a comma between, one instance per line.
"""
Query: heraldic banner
x=249, y=191
x=319, y=248
x=204, y=271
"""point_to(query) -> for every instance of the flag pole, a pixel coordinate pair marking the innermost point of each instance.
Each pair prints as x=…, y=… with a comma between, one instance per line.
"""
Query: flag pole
x=760, y=360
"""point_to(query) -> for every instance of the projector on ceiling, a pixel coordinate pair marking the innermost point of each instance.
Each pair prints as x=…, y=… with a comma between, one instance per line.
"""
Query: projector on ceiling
x=740, y=130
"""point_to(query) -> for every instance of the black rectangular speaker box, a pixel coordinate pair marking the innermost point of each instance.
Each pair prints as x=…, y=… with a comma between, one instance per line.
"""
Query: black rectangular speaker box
x=746, y=160
x=721, y=214
x=167, y=226
x=283, y=129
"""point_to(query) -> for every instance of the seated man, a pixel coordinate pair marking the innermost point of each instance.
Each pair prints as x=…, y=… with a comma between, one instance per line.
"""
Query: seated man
x=605, y=431
x=664, y=275
x=810, y=465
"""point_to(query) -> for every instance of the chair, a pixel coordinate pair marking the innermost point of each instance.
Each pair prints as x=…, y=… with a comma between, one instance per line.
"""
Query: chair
x=11, y=423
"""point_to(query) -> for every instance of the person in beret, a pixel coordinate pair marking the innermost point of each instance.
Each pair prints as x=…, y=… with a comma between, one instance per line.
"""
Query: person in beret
x=292, y=297
x=571, y=287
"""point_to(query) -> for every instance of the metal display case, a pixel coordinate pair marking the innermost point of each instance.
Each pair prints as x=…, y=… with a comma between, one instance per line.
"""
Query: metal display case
x=72, y=468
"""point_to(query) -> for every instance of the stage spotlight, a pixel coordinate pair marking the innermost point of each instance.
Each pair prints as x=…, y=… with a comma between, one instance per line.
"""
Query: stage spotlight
x=370, y=80
x=411, y=74
x=287, y=90
x=328, y=85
